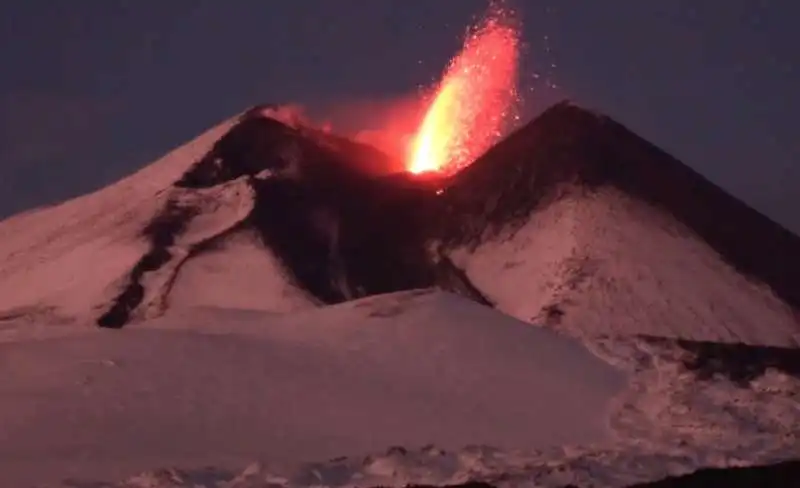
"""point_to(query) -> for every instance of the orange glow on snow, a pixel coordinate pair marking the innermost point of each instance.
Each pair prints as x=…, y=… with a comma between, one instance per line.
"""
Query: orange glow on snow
x=472, y=102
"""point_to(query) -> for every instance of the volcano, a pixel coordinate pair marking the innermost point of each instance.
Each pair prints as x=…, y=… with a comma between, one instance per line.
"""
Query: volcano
x=621, y=237
x=267, y=268
x=574, y=212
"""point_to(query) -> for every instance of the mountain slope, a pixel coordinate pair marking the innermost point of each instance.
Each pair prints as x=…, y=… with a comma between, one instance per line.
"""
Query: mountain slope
x=309, y=217
x=596, y=231
x=63, y=262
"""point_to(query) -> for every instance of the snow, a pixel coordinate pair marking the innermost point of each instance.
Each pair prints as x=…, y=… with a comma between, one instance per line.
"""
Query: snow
x=220, y=386
x=68, y=263
x=59, y=263
x=611, y=265
x=216, y=279
x=317, y=397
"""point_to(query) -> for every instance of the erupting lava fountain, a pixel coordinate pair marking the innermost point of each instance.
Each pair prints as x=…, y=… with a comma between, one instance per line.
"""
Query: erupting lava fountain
x=473, y=101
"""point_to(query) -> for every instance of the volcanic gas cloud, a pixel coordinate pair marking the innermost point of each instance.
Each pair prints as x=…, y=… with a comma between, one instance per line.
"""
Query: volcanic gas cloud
x=473, y=101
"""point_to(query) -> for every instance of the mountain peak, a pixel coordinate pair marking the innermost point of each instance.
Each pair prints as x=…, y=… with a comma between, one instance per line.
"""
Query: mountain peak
x=568, y=150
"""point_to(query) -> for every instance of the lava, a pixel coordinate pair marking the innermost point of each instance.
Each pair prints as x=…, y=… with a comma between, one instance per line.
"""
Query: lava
x=473, y=100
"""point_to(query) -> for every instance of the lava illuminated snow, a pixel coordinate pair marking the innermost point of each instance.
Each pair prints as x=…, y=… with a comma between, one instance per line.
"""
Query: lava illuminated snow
x=473, y=101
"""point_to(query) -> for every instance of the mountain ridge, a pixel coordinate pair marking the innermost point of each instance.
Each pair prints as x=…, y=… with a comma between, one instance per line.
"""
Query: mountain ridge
x=335, y=222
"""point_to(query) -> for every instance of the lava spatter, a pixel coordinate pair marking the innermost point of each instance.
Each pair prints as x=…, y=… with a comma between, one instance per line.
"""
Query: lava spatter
x=473, y=101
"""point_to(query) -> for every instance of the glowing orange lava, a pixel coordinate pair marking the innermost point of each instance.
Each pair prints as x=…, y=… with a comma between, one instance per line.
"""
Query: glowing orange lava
x=473, y=100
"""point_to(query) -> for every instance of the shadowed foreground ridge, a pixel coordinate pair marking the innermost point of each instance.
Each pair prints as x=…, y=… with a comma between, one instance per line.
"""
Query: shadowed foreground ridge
x=780, y=475
x=569, y=149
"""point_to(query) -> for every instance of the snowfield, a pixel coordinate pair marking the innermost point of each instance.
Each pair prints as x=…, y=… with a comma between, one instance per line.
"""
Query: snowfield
x=223, y=387
x=467, y=392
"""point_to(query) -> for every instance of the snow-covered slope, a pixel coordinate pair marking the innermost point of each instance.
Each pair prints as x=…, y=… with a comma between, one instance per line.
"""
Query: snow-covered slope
x=222, y=387
x=238, y=272
x=574, y=222
x=122, y=253
x=68, y=261
x=604, y=264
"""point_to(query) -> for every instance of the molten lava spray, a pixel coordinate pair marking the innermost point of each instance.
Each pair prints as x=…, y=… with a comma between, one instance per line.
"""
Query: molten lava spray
x=473, y=101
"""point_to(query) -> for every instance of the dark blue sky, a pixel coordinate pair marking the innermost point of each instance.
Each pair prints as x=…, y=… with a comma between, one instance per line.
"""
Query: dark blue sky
x=93, y=89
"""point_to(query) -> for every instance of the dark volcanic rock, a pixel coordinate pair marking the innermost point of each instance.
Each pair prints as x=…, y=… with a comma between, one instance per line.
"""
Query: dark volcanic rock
x=340, y=228
x=779, y=475
x=161, y=233
x=260, y=143
x=740, y=363
x=344, y=237
x=252, y=145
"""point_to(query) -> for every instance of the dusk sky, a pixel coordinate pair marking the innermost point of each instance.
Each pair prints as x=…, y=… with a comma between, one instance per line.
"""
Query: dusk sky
x=94, y=89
